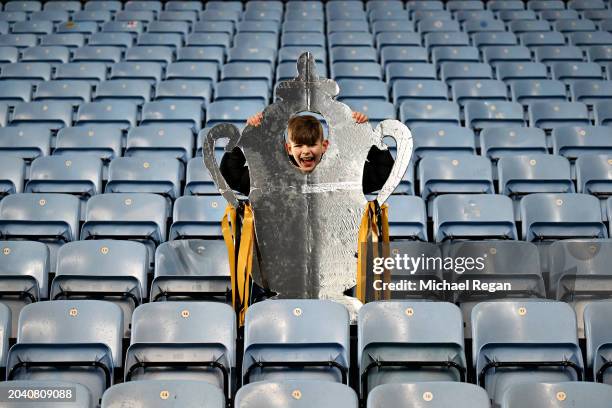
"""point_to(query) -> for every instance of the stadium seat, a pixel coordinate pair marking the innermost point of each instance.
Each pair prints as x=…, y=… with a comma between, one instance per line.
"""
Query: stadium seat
x=197, y=217
x=200, y=347
x=512, y=71
x=572, y=72
x=351, y=70
x=284, y=340
x=108, y=5
x=549, y=216
x=552, y=115
x=77, y=175
x=171, y=41
x=89, y=72
x=442, y=140
x=429, y=113
x=505, y=141
x=586, y=4
x=407, y=218
x=70, y=40
x=12, y=175
x=573, y=141
x=479, y=90
x=512, y=53
x=473, y=216
x=603, y=113
x=259, y=54
x=169, y=27
x=322, y=394
x=536, y=341
x=399, y=39
x=186, y=113
x=598, y=337
x=574, y=25
x=150, y=5
x=400, y=53
x=145, y=16
x=540, y=173
x=593, y=175
x=53, y=55
x=259, y=26
x=559, y=14
x=454, y=71
x=527, y=91
x=68, y=340
x=539, y=39
x=377, y=111
x=25, y=141
x=134, y=28
x=149, y=71
x=486, y=39
x=513, y=15
x=483, y=24
x=184, y=89
x=414, y=89
x=121, y=114
x=198, y=180
x=8, y=55
x=73, y=92
x=454, y=174
x=155, y=393
x=483, y=114
x=133, y=90
x=499, y=5
x=150, y=53
x=90, y=53
x=587, y=39
x=181, y=16
x=145, y=175
x=415, y=71
x=261, y=71
x=18, y=40
x=179, y=5
x=291, y=54
x=191, y=270
x=28, y=72
x=556, y=395
x=426, y=346
x=591, y=92
x=288, y=70
x=435, y=24
x=529, y=26
x=160, y=141
x=354, y=54
x=440, y=55
x=50, y=115
x=232, y=111
x=554, y=54
x=97, y=141
x=445, y=39
x=386, y=26
x=99, y=16
x=438, y=394
x=243, y=89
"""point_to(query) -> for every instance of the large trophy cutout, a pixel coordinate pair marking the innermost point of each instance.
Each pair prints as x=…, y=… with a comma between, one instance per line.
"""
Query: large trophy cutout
x=307, y=225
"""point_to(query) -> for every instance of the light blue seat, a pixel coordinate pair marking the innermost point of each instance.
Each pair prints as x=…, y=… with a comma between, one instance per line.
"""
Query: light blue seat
x=429, y=113
x=539, y=173
x=13, y=16
x=68, y=340
x=414, y=89
x=480, y=25
x=115, y=113
x=382, y=26
x=97, y=141
x=172, y=41
x=200, y=347
x=586, y=4
x=145, y=175
x=483, y=114
x=189, y=394
x=261, y=71
x=12, y=174
x=32, y=27
x=362, y=89
x=442, y=140
x=427, y=346
x=598, y=339
x=53, y=55
x=512, y=53
x=591, y=92
x=19, y=40
x=201, y=54
x=442, y=54
x=259, y=54
x=473, y=217
x=406, y=39
x=556, y=395
x=526, y=91
x=304, y=26
x=540, y=332
x=180, y=5
x=50, y=115
x=574, y=25
x=28, y=72
x=150, y=5
x=552, y=115
x=291, y=54
x=77, y=175
x=453, y=71
x=160, y=141
x=487, y=39
x=169, y=27
x=503, y=141
x=539, y=39
x=99, y=16
x=145, y=16
x=180, y=16
x=66, y=5
x=214, y=26
x=407, y=218
x=25, y=142
x=479, y=91
x=109, y=5
x=354, y=54
x=79, y=27
x=8, y=55
x=434, y=394
x=603, y=113
x=401, y=53
x=161, y=54
x=220, y=15
x=553, y=54
x=81, y=395
x=90, y=72
x=529, y=26
x=593, y=174
x=90, y=53
x=70, y=40
x=192, y=269
x=552, y=216
x=232, y=111
x=587, y=39
x=74, y=92
x=322, y=394
x=15, y=91
x=259, y=26
x=137, y=91
x=445, y=39
x=558, y=14
x=198, y=180
x=188, y=113
x=134, y=28
x=576, y=71
x=377, y=111
x=513, y=71
x=56, y=16
x=434, y=24
x=413, y=5
x=123, y=40
x=403, y=70
x=283, y=340
x=24, y=277
x=354, y=70
x=300, y=39
x=242, y=89
x=575, y=141
x=198, y=71
x=197, y=217
x=147, y=71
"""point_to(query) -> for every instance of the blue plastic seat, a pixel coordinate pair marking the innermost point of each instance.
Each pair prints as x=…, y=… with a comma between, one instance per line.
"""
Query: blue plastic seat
x=133, y=90
x=56, y=16
x=99, y=16
x=77, y=175
x=47, y=114
x=541, y=332
x=291, y=54
x=487, y=39
x=427, y=90
x=220, y=15
x=260, y=54
x=473, y=217
x=187, y=113
x=97, y=141
x=169, y=27
x=529, y=26
x=237, y=89
x=198, y=179
x=442, y=140
x=197, y=217
x=553, y=54
x=593, y=175
x=70, y=40
x=483, y=114
x=90, y=53
x=590, y=38
x=354, y=54
x=284, y=340
x=400, y=53
x=403, y=38
x=383, y=26
x=115, y=113
x=597, y=333
x=171, y=41
x=147, y=393
x=260, y=71
x=145, y=175
x=442, y=54
x=322, y=394
x=180, y=16
x=600, y=53
x=13, y=16
x=89, y=72
x=548, y=395
x=426, y=113
x=8, y=55
x=362, y=89
x=214, y=26
x=232, y=111
x=454, y=71
x=160, y=141
x=576, y=71
x=31, y=73
x=603, y=113
x=192, y=269
x=201, y=54
x=109, y=5
x=403, y=70
x=426, y=347
x=14, y=91
x=549, y=216
x=526, y=91
x=434, y=24
x=591, y=92
x=558, y=14
x=32, y=27
x=500, y=5
x=437, y=394
x=12, y=174
x=79, y=27
x=575, y=141
x=151, y=53
x=200, y=347
x=512, y=53
x=298, y=39
x=498, y=142
x=74, y=92
x=479, y=90
x=377, y=111
x=354, y=70
x=145, y=16
x=539, y=5
x=25, y=141
x=66, y=5
x=123, y=40
x=54, y=55
x=134, y=28
x=259, y=26
x=551, y=115
x=303, y=26
x=19, y=40
x=137, y=70
x=586, y=5
x=513, y=71
x=479, y=25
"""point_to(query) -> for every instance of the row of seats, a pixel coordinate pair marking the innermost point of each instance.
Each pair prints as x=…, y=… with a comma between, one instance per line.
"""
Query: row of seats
x=398, y=342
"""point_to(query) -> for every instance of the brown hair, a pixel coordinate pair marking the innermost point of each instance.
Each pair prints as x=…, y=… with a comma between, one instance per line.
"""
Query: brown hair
x=306, y=130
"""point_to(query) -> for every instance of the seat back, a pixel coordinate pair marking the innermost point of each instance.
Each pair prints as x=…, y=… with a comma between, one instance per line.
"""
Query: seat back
x=557, y=395
x=155, y=393
x=295, y=393
x=439, y=394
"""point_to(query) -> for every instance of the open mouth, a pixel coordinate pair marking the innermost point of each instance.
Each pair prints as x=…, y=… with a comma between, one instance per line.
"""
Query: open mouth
x=307, y=161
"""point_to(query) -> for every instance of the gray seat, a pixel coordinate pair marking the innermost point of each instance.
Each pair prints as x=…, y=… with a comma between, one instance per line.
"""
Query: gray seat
x=598, y=339
x=191, y=269
x=522, y=342
x=199, y=347
x=430, y=394
x=198, y=179
x=158, y=393
x=442, y=141
x=406, y=342
x=78, y=175
x=546, y=115
x=25, y=141
x=68, y=340
x=294, y=394
x=593, y=175
x=197, y=217
x=114, y=113
x=75, y=395
x=161, y=176
x=93, y=140
x=506, y=141
x=12, y=174
x=558, y=395
x=284, y=340
x=575, y=141
x=407, y=218
x=163, y=141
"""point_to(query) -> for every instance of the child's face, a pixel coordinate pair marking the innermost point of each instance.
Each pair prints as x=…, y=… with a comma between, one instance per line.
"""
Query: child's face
x=307, y=157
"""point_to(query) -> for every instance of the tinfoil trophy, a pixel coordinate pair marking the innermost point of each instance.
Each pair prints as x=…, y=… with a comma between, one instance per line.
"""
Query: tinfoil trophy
x=307, y=225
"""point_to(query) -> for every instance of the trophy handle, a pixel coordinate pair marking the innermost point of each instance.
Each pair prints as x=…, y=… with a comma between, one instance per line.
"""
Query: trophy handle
x=403, y=139
x=220, y=131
